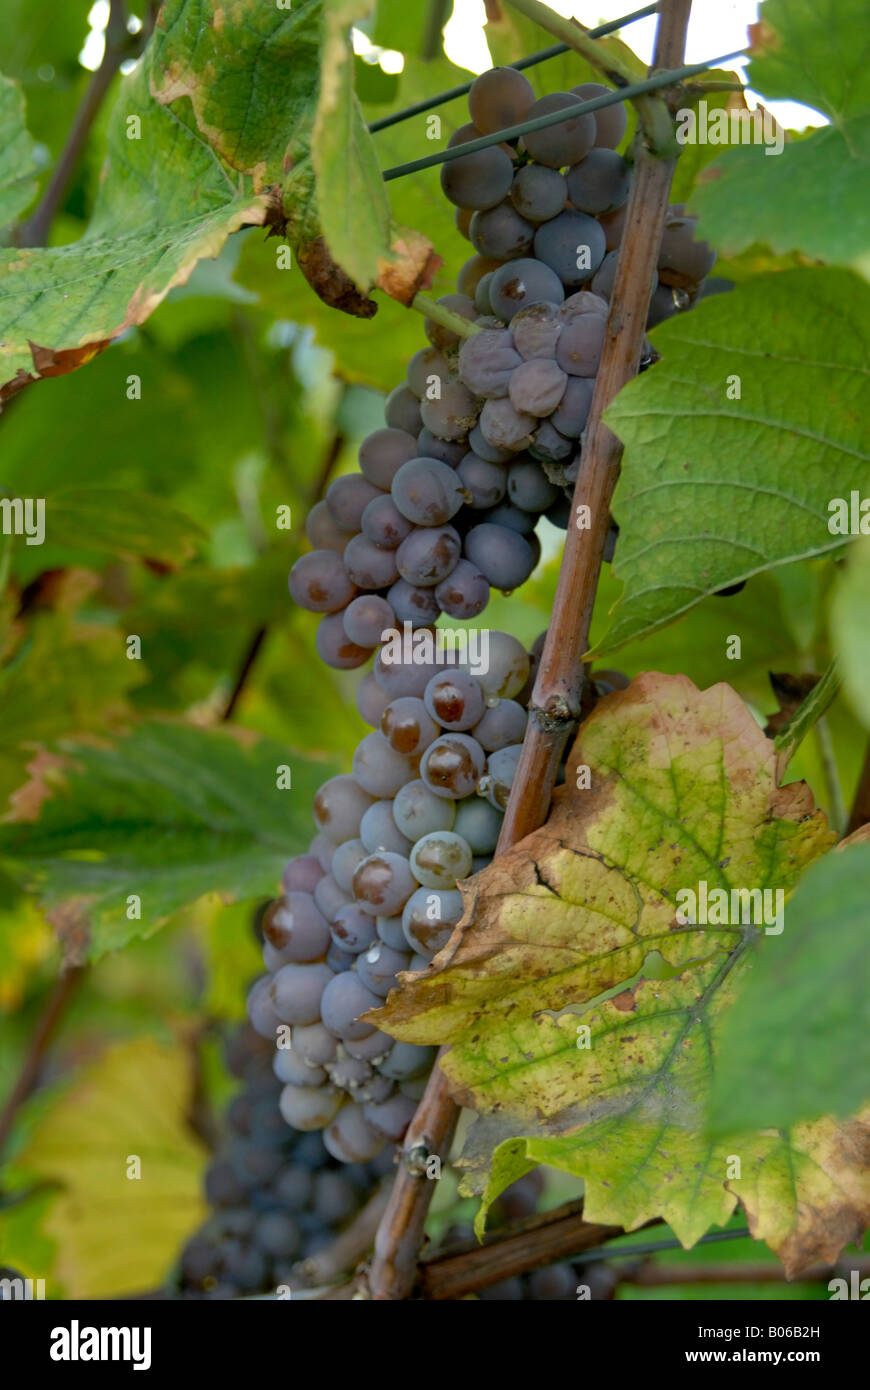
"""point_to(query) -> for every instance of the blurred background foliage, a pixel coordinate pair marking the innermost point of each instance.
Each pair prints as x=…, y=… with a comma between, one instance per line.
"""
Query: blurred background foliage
x=253, y=396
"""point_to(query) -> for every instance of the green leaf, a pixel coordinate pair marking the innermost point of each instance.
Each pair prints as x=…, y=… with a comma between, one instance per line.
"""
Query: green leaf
x=352, y=197
x=398, y=25
x=578, y=926
x=813, y=51
x=796, y=1044
x=167, y=814
x=134, y=1102
x=849, y=608
x=714, y=489
x=122, y=523
x=809, y=197
x=17, y=184
x=67, y=678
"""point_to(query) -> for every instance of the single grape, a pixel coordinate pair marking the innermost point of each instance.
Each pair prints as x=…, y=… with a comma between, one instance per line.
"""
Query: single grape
x=452, y=413
x=559, y=513
x=379, y=966
x=428, y=492
x=501, y=233
x=368, y=566
x=438, y=860
x=302, y=874
x=429, y=446
x=428, y=555
x=350, y=1138
x=485, y=450
x=572, y=245
x=479, y=824
x=370, y=699
x=384, y=883
x=481, y=294
x=499, y=98
x=295, y=992
x=338, y=807
x=347, y=497
x=383, y=524
x=506, y=514
x=390, y=930
x=572, y=412
x=485, y=481
x=503, y=723
x=529, y=488
x=402, y=410
x=330, y=898
x=455, y=700
x=487, y=361
x=682, y=259
x=382, y=453
x=537, y=386
x=291, y=1069
x=407, y=726
x=501, y=769
x=322, y=531
x=521, y=283
x=350, y=1072
x=366, y=619
x=581, y=344
x=344, y=863
x=538, y=193
x=564, y=143
x=426, y=369
x=295, y=926
x=548, y=444
x=344, y=999
x=662, y=305
x=335, y=1199
x=391, y=1117
x=417, y=811
x=310, y=1107
x=452, y=766
x=610, y=121
x=536, y=329
x=502, y=555
x=378, y=768
x=600, y=182
x=613, y=226
x=400, y=676
x=505, y=426
x=319, y=582
x=373, y=1048
x=507, y=667
x=428, y=918
x=378, y=831
x=335, y=648
x=413, y=604
x=261, y=1011
x=477, y=180
x=314, y=1043
x=322, y=848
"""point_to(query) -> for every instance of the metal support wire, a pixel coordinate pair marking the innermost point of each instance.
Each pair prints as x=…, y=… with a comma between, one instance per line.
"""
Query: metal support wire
x=554, y=52
x=619, y=94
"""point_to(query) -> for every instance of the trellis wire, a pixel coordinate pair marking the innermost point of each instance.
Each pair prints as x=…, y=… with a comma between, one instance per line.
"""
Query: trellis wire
x=430, y=102
x=652, y=1247
x=619, y=94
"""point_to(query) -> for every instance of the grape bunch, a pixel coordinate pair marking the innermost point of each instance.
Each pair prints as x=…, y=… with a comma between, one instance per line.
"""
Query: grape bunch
x=482, y=438
x=377, y=894
x=276, y=1195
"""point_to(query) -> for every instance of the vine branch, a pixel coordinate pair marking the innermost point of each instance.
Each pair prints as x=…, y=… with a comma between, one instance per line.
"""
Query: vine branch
x=119, y=45
x=60, y=996
x=556, y=696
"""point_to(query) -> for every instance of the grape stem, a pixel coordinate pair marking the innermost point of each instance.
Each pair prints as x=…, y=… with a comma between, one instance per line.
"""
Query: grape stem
x=559, y=683
x=555, y=703
x=652, y=111
x=447, y=318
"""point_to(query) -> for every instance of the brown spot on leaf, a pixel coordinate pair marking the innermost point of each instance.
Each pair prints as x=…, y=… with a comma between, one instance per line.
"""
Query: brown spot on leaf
x=625, y=1002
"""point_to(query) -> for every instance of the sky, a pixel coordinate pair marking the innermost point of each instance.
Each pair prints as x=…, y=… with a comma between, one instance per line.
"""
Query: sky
x=716, y=27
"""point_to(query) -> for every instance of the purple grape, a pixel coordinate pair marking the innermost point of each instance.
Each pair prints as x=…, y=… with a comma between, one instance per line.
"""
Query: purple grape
x=428, y=555
x=455, y=700
x=487, y=360
x=498, y=98
x=538, y=193
x=453, y=413
x=413, y=604
x=378, y=768
x=344, y=863
x=322, y=531
x=353, y=929
x=536, y=330
x=383, y=523
x=429, y=446
x=427, y=491
x=452, y=766
x=407, y=725
x=370, y=699
x=366, y=618
x=529, y=488
x=347, y=497
x=379, y=831
x=505, y=426
x=381, y=454
x=339, y=807
x=344, y=999
x=335, y=648
x=502, y=555
x=295, y=992
x=320, y=583
x=384, y=883
x=402, y=410
x=501, y=233
x=486, y=482
x=537, y=386
x=464, y=593
x=379, y=966
x=295, y=926
x=600, y=182
x=302, y=874
x=610, y=121
x=581, y=344
x=564, y=143
x=520, y=283
x=572, y=245
x=478, y=180
x=572, y=412
x=438, y=335
x=368, y=566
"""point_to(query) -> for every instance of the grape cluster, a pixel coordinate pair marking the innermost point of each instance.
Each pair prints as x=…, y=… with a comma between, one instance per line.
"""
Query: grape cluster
x=483, y=436
x=377, y=894
x=276, y=1195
